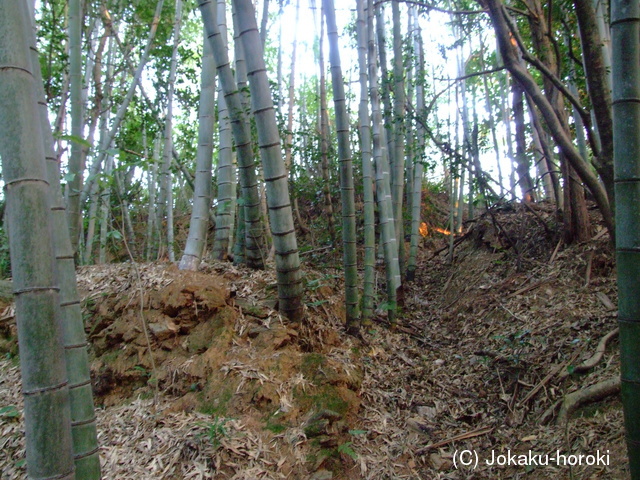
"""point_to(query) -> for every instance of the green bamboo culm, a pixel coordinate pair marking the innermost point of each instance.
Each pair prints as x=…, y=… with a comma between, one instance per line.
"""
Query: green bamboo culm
x=625, y=31
x=416, y=190
x=254, y=243
x=364, y=125
x=196, y=240
x=383, y=189
x=226, y=170
x=74, y=211
x=346, y=172
x=83, y=420
x=27, y=192
x=399, y=100
x=275, y=174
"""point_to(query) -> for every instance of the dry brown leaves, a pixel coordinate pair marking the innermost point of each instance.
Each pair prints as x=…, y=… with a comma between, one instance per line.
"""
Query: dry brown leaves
x=490, y=333
x=490, y=337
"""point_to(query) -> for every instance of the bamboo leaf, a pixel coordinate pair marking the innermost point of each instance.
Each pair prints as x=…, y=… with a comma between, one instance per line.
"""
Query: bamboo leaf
x=74, y=139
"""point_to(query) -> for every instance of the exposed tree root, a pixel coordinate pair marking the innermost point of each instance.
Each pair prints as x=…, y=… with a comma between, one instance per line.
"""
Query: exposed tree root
x=591, y=362
x=590, y=394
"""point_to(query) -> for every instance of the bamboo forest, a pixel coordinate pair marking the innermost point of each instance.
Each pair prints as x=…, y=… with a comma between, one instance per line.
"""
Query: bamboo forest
x=320, y=239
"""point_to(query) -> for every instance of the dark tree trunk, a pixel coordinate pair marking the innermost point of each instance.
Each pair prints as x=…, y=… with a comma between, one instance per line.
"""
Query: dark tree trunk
x=522, y=162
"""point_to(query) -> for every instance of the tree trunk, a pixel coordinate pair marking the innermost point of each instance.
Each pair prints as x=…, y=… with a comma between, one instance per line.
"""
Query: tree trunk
x=74, y=186
x=575, y=216
x=242, y=137
x=399, y=114
x=324, y=138
x=492, y=124
x=276, y=178
x=28, y=200
x=364, y=123
x=196, y=241
x=383, y=189
x=625, y=31
x=416, y=190
x=152, y=216
x=166, y=183
x=105, y=210
x=263, y=23
x=596, y=74
x=387, y=113
x=555, y=126
x=83, y=426
x=225, y=172
x=346, y=172
x=522, y=162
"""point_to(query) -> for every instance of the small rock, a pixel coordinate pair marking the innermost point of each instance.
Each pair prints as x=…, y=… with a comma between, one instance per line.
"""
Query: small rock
x=440, y=463
x=164, y=329
x=253, y=332
x=322, y=475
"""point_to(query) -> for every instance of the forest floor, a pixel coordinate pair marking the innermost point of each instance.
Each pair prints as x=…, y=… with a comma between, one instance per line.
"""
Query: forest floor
x=196, y=375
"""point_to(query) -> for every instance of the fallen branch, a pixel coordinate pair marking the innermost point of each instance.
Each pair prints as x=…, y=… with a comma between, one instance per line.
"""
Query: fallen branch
x=401, y=328
x=546, y=379
x=316, y=250
x=530, y=287
x=463, y=436
x=555, y=252
x=591, y=362
x=549, y=413
x=594, y=393
x=456, y=242
x=606, y=301
x=542, y=383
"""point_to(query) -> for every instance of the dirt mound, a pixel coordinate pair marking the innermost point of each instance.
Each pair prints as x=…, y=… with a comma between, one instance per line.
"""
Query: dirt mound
x=218, y=347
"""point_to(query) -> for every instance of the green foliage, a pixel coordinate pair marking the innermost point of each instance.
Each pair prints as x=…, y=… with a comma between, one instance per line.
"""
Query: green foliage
x=514, y=345
x=274, y=425
x=10, y=411
x=217, y=406
x=52, y=41
x=347, y=450
x=216, y=431
x=5, y=259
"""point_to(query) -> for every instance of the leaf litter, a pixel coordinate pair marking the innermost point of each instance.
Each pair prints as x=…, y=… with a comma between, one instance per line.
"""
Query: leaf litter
x=481, y=359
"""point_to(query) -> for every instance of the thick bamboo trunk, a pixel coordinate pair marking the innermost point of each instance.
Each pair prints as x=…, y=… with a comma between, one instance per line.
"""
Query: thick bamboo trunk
x=346, y=172
x=625, y=31
x=28, y=199
x=383, y=189
x=225, y=172
x=364, y=125
x=275, y=174
x=83, y=426
x=196, y=240
x=255, y=254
